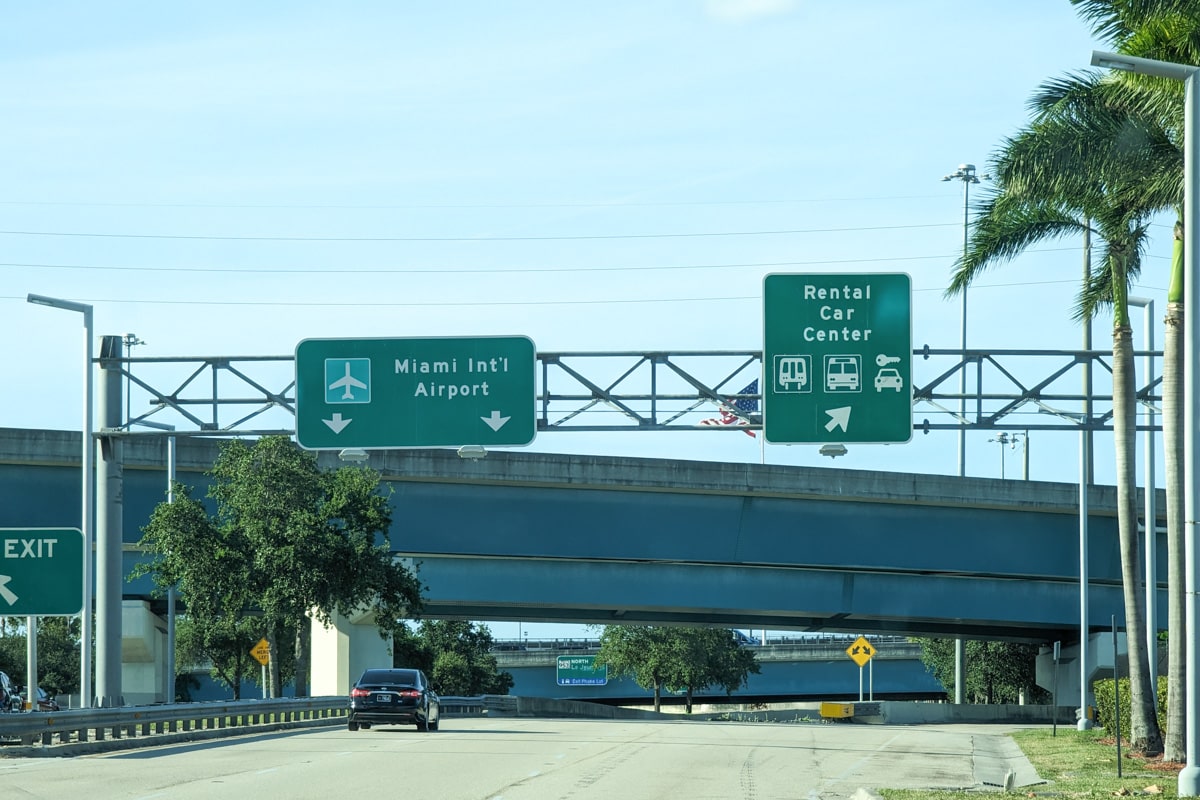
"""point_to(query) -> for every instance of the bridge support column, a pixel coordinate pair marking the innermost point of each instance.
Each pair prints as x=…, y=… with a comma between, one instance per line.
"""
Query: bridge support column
x=343, y=650
x=1099, y=660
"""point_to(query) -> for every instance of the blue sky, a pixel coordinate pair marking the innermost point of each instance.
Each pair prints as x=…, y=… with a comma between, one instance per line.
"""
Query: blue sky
x=532, y=165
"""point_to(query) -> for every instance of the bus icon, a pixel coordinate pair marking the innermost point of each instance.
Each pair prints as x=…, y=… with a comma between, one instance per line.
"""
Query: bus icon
x=842, y=374
x=791, y=373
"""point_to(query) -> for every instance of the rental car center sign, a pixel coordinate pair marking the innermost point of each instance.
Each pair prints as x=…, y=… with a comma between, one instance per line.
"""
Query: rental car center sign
x=837, y=358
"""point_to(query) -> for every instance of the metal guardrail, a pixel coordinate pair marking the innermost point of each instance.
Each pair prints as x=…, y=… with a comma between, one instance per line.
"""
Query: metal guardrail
x=81, y=726
x=102, y=724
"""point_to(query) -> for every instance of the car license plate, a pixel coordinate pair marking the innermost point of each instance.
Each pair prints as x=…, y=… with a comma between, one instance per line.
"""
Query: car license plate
x=383, y=698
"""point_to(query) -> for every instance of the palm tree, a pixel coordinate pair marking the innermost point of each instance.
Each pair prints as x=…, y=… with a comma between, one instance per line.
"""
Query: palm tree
x=1089, y=156
x=1167, y=30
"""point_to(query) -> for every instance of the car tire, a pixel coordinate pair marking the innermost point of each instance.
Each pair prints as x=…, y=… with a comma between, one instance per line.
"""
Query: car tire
x=423, y=725
x=433, y=726
x=352, y=725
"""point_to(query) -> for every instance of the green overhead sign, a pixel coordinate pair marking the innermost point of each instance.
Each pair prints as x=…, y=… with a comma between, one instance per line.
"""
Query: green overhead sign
x=837, y=358
x=41, y=572
x=413, y=392
x=580, y=671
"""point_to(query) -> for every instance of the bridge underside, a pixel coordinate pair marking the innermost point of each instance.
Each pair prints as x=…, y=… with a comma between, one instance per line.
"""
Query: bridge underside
x=811, y=600
x=585, y=539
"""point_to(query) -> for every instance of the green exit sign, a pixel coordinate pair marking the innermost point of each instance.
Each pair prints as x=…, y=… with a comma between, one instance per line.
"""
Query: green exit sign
x=41, y=572
x=580, y=671
x=837, y=358
x=415, y=392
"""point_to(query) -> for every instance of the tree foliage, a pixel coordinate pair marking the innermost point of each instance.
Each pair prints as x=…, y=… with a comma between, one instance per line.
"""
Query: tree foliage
x=456, y=656
x=285, y=540
x=58, y=654
x=996, y=672
x=677, y=659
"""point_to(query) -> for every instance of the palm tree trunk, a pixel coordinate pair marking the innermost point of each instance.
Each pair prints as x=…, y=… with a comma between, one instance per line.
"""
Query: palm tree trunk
x=1175, y=740
x=1144, y=734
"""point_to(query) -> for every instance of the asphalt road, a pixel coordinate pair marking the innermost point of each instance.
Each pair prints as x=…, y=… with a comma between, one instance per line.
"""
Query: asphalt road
x=538, y=759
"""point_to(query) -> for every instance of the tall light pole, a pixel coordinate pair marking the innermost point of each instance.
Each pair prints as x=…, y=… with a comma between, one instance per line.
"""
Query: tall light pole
x=87, y=497
x=965, y=173
x=1151, y=515
x=1189, y=777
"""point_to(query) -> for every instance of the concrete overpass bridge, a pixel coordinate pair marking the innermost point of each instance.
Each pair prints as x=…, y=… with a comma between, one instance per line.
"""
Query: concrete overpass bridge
x=793, y=667
x=540, y=537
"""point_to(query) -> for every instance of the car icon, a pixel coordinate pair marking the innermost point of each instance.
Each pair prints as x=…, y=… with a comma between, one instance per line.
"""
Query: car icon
x=888, y=378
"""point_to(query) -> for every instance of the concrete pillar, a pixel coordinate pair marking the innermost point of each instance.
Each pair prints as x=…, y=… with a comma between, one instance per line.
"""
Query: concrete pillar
x=342, y=651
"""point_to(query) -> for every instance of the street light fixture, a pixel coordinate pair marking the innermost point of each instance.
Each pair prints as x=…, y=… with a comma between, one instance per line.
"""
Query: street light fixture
x=88, y=498
x=965, y=173
x=1189, y=777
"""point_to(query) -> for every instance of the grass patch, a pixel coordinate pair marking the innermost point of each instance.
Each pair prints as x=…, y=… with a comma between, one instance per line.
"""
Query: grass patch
x=1076, y=764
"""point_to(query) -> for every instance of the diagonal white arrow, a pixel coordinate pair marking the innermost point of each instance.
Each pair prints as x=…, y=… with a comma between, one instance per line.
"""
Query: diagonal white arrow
x=838, y=418
x=495, y=421
x=337, y=423
x=5, y=592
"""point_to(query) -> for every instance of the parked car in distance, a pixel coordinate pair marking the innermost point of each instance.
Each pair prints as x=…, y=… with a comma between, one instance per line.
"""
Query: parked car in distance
x=10, y=696
x=45, y=701
x=394, y=697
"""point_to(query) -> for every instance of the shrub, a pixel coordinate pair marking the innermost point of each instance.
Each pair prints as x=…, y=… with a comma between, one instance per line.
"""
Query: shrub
x=1106, y=711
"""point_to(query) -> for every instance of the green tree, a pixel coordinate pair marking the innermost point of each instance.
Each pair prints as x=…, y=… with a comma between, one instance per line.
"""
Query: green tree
x=286, y=541
x=644, y=652
x=210, y=565
x=676, y=659
x=997, y=672
x=456, y=656
x=709, y=657
x=58, y=654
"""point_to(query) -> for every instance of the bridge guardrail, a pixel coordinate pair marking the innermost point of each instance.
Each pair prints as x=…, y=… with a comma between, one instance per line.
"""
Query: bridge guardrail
x=235, y=716
x=101, y=724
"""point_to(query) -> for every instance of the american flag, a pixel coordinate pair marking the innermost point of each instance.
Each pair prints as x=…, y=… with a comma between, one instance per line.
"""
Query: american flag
x=731, y=412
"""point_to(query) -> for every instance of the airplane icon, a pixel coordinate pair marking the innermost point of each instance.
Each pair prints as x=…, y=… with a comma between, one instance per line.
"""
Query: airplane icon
x=347, y=383
x=347, y=380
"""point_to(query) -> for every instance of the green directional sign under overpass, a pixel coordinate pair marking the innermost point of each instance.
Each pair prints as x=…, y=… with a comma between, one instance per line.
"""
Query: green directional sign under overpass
x=837, y=358
x=41, y=572
x=580, y=671
x=415, y=392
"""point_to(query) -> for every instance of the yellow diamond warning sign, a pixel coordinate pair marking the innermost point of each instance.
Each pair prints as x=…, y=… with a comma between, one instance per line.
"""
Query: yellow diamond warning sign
x=861, y=651
x=262, y=652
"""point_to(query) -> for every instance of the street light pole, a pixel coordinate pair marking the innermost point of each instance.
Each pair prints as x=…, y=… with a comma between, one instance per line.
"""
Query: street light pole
x=966, y=174
x=1189, y=777
x=1151, y=514
x=87, y=497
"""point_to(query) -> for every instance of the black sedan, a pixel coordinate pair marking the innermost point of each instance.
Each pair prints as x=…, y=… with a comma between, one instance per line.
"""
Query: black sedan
x=394, y=697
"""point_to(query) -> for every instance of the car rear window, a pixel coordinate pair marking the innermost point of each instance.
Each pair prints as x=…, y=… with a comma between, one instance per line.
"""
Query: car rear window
x=406, y=677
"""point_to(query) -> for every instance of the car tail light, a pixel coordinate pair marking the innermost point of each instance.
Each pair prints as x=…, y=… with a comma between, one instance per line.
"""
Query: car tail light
x=356, y=692
x=410, y=693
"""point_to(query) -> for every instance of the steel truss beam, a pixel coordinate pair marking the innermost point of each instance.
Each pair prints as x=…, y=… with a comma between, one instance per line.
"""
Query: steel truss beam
x=654, y=391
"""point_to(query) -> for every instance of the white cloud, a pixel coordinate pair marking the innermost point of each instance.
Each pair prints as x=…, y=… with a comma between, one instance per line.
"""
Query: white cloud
x=741, y=10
